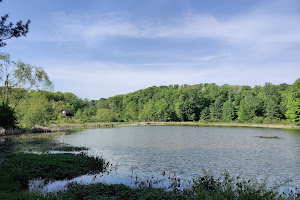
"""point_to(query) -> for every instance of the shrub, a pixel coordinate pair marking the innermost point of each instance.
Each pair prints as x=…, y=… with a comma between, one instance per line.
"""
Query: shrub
x=7, y=117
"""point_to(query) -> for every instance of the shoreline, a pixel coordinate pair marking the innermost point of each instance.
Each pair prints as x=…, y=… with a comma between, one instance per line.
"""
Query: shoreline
x=224, y=124
x=76, y=126
x=71, y=127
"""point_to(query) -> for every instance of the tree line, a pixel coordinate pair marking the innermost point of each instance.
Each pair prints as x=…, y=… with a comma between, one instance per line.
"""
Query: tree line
x=202, y=102
x=26, y=98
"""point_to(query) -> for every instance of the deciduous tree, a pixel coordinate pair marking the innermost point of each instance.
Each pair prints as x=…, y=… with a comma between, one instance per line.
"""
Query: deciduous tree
x=16, y=75
x=293, y=106
x=35, y=110
x=228, y=112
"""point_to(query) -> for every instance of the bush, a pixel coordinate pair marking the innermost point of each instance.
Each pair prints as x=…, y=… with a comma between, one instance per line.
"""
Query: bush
x=258, y=120
x=270, y=120
x=7, y=117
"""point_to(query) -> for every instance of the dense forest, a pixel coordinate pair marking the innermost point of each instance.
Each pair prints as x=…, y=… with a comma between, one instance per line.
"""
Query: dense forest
x=202, y=102
x=26, y=99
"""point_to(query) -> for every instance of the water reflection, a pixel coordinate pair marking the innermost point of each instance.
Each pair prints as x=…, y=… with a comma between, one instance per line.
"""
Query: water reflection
x=147, y=151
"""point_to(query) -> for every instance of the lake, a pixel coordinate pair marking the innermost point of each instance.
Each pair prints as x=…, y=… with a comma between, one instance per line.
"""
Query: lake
x=149, y=151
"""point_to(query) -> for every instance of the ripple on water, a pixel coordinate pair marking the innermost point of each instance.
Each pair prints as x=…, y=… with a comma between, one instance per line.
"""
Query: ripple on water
x=189, y=150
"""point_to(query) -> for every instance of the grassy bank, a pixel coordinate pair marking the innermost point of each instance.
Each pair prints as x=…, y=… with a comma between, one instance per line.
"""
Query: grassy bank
x=18, y=168
x=72, y=126
x=67, y=127
x=235, y=124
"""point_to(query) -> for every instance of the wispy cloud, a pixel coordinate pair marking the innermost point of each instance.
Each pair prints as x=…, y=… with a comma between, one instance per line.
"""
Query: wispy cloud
x=253, y=27
x=261, y=45
x=109, y=79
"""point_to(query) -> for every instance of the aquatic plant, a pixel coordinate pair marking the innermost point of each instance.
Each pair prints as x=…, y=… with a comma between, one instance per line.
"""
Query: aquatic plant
x=205, y=187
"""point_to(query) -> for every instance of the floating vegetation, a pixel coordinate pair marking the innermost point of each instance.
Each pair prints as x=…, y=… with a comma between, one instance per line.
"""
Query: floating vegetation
x=70, y=148
x=269, y=137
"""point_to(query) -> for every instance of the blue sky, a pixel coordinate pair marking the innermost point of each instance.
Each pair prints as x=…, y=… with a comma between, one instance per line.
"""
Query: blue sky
x=101, y=48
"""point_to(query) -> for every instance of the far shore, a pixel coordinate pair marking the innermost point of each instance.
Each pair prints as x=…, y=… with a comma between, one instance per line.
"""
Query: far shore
x=74, y=126
x=67, y=127
x=280, y=126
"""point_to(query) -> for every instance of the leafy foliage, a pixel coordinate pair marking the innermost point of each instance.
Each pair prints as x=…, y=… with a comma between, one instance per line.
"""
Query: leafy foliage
x=35, y=110
x=7, y=117
x=21, y=76
x=8, y=31
x=228, y=111
x=202, y=102
x=293, y=106
x=17, y=80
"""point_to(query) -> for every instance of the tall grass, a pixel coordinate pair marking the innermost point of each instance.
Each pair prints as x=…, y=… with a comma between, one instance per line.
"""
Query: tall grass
x=205, y=187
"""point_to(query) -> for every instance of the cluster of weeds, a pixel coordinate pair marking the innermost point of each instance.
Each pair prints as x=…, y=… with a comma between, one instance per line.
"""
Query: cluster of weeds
x=205, y=187
x=17, y=168
x=70, y=148
x=41, y=144
x=227, y=187
x=173, y=182
x=54, y=166
x=107, y=191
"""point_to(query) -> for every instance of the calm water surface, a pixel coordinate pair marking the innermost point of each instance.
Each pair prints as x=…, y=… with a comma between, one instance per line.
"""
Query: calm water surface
x=148, y=150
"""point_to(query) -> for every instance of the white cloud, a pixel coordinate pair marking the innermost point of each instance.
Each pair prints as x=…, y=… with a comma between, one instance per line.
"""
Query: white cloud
x=261, y=34
x=253, y=27
x=255, y=47
x=109, y=79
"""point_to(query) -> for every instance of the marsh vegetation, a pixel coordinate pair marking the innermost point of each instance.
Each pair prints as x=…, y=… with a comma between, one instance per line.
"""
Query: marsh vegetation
x=19, y=169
